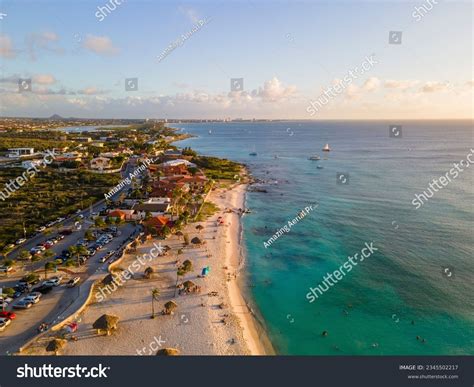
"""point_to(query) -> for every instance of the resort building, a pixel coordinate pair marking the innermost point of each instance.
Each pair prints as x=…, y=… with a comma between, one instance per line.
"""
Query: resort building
x=19, y=152
x=100, y=163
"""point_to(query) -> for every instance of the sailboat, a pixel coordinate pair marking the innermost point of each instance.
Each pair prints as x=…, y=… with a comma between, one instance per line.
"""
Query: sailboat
x=253, y=153
x=326, y=148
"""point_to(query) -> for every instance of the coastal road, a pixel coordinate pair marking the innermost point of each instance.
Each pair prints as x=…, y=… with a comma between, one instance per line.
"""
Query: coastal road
x=60, y=298
x=54, y=304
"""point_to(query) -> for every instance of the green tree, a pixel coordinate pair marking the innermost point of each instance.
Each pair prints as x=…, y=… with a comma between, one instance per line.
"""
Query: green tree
x=24, y=254
x=48, y=267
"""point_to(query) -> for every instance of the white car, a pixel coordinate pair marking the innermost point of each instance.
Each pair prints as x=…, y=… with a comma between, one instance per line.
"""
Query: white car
x=20, y=241
x=5, y=269
x=33, y=297
x=41, y=229
x=4, y=322
x=80, y=216
x=55, y=281
x=59, y=220
x=5, y=301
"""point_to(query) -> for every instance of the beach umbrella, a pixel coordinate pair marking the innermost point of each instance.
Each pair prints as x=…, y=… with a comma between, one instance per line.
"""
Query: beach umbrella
x=189, y=284
x=148, y=272
x=196, y=241
x=167, y=352
x=170, y=306
x=56, y=345
x=106, y=322
x=71, y=328
x=199, y=227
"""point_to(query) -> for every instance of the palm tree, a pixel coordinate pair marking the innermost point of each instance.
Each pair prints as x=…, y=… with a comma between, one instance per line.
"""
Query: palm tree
x=179, y=273
x=48, y=266
x=24, y=254
x=155, y=293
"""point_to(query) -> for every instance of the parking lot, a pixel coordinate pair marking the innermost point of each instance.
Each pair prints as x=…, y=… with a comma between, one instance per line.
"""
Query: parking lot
x=25, y=325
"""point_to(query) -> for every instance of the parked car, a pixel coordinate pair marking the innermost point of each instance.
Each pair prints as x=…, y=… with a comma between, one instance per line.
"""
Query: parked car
x=4, y=322
x=33, y=297
x=22, y=286
x=9, y=315
x=23, y=304
x=5, y=269
x=52, y=282
x=5, y=301
x=73, y=282
x=41, y=229
x=80, y=216
x=40, y=247
x=66, y=231
x=20, y=241
x=44, y=288
x=60, y=237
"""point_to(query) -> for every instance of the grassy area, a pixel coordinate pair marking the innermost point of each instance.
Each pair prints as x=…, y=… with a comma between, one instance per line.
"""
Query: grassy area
x=215, y=168
x=47, y=196
x=208, y=209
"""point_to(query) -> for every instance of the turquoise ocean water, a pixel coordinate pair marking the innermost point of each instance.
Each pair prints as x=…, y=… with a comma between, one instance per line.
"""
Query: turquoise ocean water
x=398, y=293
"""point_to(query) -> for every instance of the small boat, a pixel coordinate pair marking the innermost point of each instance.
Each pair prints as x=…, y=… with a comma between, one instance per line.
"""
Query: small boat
x=326, y=148
x=315, y=158
x=210, y=131
x=319, y=167
x=253, y=154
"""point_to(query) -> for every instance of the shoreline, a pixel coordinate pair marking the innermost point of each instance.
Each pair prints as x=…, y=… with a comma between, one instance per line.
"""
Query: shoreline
x=204, y=323
x=254, y=334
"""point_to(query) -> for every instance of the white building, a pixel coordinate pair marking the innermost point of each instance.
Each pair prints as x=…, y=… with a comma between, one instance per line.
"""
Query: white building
x=18, y=152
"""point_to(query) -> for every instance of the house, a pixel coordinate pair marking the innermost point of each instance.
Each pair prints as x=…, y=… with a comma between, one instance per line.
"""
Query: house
x=100, y=163
x=18, y=152
x=158, y=222
x=178, y=162
x=117, y=214
x=97, y=144
x=109, y=154
x=83, y=139
x=165, y=186
x=155, y=206
x=71, y=156
x=171, y=153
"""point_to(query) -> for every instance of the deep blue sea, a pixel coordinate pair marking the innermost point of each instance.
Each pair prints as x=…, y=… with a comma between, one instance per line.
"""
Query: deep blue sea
x=402, y=290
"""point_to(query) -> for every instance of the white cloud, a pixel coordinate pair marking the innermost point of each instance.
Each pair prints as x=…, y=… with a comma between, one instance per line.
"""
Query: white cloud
x=44, y=79
x=371, y=84
x=403, y=84
x=6, y=47
x=274, y=91
x=101, y=45
x=431, y=87
x=91, y=91
x=46, y=41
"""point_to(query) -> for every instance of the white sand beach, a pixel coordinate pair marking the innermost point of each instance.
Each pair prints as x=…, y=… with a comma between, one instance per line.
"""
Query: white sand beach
x=203, y=324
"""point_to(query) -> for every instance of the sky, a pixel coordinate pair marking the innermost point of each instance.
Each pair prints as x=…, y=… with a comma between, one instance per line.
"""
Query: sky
x=288, y=53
